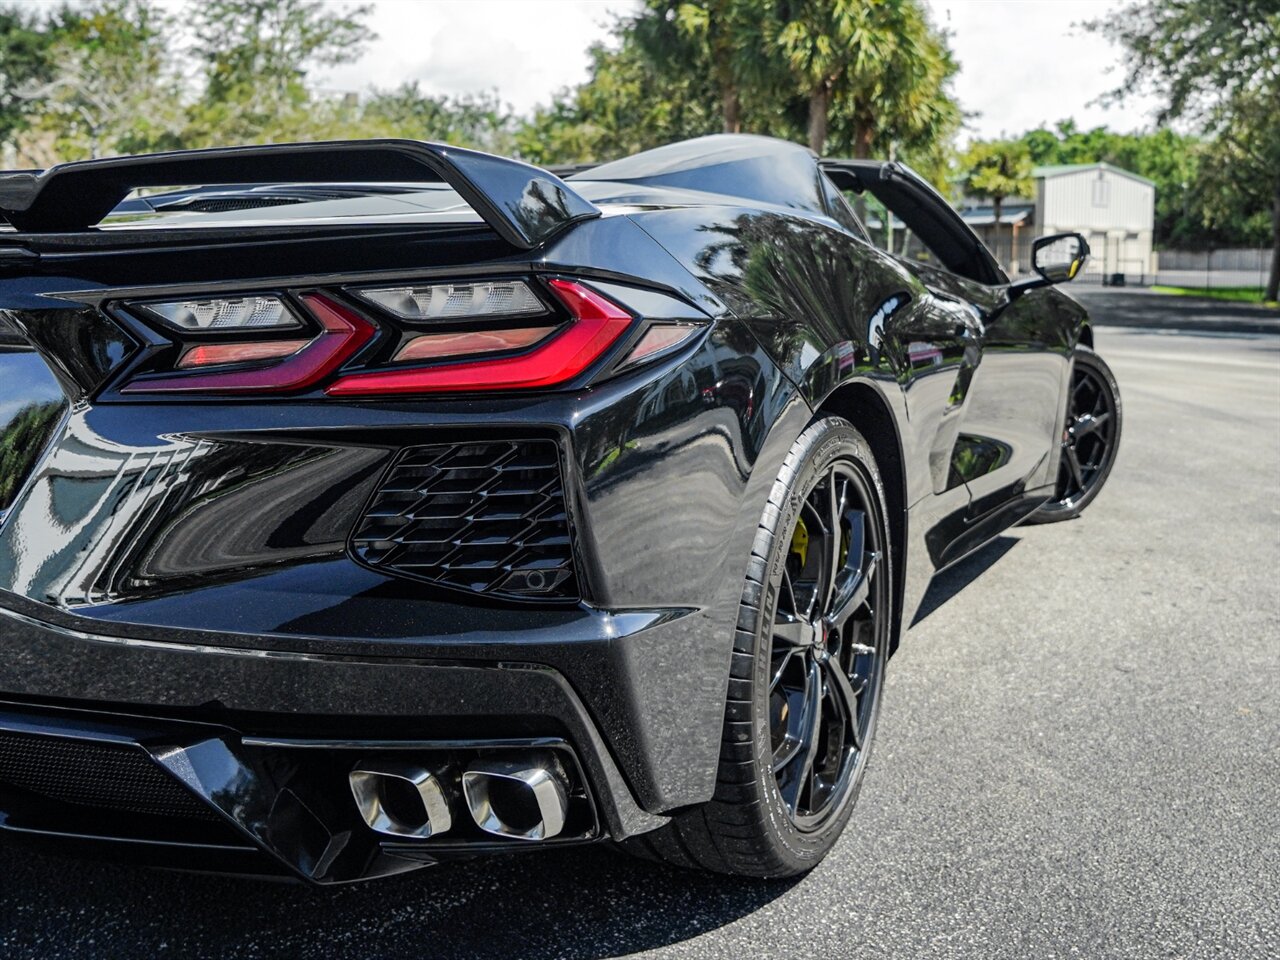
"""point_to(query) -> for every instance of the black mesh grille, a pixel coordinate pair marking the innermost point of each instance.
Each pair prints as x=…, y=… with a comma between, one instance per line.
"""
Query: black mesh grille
x=487, y=517
x=106, y=776
x=221, y=204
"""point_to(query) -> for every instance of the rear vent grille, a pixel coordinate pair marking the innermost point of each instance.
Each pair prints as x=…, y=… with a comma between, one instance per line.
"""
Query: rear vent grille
x=486, y=517
x=105, y=776
x=223, y=204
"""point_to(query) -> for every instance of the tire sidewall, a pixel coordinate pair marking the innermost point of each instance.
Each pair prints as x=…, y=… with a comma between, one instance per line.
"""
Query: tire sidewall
x=1055, y=510
x=821, y=445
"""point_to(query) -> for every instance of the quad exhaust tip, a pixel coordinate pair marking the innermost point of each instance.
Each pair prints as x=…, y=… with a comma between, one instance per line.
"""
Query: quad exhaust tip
x=524, y=798
x=400, y=799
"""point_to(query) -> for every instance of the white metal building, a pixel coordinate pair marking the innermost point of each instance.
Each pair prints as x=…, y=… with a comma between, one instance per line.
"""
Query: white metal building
x=1113, y=208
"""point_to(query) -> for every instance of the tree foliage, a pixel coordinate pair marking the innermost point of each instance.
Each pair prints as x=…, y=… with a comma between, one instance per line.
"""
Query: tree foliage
x=850, y=77
x=24, y=62
x=630, y=102
x=998, y=169
x=257, y=56
x=876, y=73
x=1216, y=63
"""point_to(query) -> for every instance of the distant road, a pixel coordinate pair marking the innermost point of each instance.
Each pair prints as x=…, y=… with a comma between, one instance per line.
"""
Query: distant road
x=1136, y=307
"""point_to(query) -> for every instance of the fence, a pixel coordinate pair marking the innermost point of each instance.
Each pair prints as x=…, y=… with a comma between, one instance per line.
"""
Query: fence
x=1173, y=268
x=1213, y=268
x=1102, y=267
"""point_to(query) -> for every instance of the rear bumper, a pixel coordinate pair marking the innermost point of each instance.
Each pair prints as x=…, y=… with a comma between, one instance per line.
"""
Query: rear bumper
x=238, y=718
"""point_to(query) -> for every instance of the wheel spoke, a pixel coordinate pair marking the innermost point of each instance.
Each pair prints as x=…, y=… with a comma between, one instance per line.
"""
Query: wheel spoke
x=796, y=762
x=813, y=704
x=793, y=737
x=1077, y=387
x=848, y=699
x=1099, y=400
x=794, y=631
x=783, y=662
x=831, y=540
x=1073, y=463
x=791, y=591
x=855, y=590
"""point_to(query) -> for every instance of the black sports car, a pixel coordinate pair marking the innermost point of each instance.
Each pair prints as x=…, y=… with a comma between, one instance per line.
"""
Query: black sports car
x=369, y=504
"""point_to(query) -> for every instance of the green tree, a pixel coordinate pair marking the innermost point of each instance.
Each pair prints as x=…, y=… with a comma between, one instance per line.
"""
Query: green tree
x=723, y=35
x=257, y=56
x=878, y=67
x=24, y=64
x=1216, y=63
x=628, y=103
x=997, y=169
x=1170, y=159
x=476, y=120
x=111, y=87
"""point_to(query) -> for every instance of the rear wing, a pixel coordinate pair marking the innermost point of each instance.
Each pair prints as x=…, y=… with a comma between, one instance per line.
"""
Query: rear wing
x=523, y=204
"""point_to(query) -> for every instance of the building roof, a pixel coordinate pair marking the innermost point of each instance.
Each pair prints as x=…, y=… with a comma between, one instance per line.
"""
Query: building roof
x=1061, y=169
x=986, y=215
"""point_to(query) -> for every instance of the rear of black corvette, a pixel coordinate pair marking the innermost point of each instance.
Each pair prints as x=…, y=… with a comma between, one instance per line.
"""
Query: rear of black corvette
x=361, y=527
x=262, y=551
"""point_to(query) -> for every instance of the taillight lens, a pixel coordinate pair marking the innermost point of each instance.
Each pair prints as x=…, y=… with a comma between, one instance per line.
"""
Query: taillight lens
x=226, y=314
x=343, y=332
x=221, y=354
x=660, y=338
x=437, y=337
x=597, y=324
x=448, y=301
x=433, y=346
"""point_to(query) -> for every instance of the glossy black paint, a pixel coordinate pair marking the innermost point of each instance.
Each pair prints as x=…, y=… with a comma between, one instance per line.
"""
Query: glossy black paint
x=522, y=204
x=187, y=559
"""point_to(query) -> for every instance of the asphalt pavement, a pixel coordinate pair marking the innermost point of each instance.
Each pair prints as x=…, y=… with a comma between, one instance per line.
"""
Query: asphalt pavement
x=1079, y=756
x=1141, y=308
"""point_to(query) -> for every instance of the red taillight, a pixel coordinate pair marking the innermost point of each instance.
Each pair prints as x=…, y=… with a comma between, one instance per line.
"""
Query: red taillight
x=597, y=325
x=221, y=354
x=435, y=346
x=344, y=332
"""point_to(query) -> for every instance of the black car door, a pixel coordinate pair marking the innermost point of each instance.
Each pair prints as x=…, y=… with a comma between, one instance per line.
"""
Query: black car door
x=1016, y=359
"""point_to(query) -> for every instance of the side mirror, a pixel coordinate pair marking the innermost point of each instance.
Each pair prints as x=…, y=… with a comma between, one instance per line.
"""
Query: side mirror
x=1057, y=259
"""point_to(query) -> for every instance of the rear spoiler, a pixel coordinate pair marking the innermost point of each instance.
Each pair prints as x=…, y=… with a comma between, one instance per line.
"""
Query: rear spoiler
x=523, y=204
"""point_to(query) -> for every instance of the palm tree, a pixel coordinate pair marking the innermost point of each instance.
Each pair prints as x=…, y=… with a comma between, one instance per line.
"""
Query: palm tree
x=878, y=64
x=997, y=170
x=723, y=34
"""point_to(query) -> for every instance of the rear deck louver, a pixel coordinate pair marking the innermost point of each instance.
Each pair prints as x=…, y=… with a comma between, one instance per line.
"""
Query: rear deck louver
x=487, y=517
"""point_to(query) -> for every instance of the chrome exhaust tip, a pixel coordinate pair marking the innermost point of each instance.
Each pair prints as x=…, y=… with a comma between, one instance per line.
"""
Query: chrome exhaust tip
x=400, y=799
x=524, y=798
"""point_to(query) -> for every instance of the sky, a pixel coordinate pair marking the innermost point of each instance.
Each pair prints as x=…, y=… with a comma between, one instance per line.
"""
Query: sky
x=1023, y=62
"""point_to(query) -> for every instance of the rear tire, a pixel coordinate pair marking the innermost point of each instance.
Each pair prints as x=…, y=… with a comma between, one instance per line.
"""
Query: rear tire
x=1090, y=441
x=807, y=673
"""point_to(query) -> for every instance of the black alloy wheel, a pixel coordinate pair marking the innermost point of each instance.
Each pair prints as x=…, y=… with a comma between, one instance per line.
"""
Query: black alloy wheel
x=814, y=631
x=826, y=665
x=1090, y=438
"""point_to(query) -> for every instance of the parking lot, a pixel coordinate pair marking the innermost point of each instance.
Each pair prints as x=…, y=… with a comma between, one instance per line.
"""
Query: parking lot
x=1079, y=752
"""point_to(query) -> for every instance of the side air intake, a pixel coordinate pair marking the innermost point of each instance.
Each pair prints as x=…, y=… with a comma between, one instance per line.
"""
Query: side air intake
x=488, y=517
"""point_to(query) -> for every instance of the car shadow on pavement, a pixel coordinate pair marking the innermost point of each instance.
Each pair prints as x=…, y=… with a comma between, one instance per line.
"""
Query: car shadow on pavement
x=589, y=902
x=951, y=581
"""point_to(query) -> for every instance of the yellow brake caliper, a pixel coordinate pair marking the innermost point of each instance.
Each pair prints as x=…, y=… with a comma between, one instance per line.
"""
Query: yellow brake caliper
x=800, y=542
